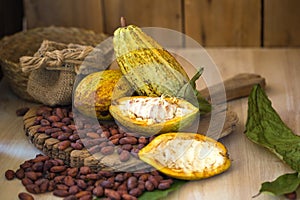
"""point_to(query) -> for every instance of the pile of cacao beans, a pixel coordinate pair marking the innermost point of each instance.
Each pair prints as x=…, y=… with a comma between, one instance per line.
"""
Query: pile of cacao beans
x=44, y=174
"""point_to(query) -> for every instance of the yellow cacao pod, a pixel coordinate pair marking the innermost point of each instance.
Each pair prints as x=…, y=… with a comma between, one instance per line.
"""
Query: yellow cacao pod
x=151, y=115
x=149, y=68
x=187, y=156
x=95, y=92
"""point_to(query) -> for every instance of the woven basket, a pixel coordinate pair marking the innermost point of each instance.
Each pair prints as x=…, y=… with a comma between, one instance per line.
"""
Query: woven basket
x=26, y=43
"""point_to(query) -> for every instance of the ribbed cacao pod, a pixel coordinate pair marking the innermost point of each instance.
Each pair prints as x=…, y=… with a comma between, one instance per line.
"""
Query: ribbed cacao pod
x=95, y=92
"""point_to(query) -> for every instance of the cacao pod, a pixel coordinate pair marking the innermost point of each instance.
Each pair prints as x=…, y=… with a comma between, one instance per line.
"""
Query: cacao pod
x=95, y=92
x=150, y=69
x=151, y=115
x=187, y=156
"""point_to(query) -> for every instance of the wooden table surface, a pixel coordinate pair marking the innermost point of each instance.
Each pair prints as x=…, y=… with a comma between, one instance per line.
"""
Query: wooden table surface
x=251, y=164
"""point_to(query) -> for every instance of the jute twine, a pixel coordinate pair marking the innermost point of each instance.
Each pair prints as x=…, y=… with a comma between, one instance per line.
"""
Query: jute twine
x=53, y=71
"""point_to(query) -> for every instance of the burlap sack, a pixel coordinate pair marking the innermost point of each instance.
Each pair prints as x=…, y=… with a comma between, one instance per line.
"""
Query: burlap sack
x=53, y=71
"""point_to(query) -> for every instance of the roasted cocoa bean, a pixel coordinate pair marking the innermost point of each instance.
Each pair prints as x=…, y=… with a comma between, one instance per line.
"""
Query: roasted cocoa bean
x=112, y=194
x=51, y=186
x=149, y=186
x=50, y=175
x=74, y=137
x=72, y=126
x=37, y=120
x=56, y=169
x=167, y=180
x=86, y=197
x=63, y=136
x=85, y=170
x=119, y=178
x=98, y=191
x=59, y=113
x=74, y=189
x=81, y=184
x=143, y=177
x=66, y=121
x=93, y=135
x=66, y=129
x=63, y=145
x=49, y=131
x=143, y=140
x=115, y=141
x=26, y=181
x=40, y=158
x=107, y=184
x=61, y=193
x=45, y=122
x=62, y=187
x=26, y=164
x=72, y=171
x=153, y=181
x=107, y=150
x=135, y=192
x=32, y=188
x=57, y=124
x=114, y=131
x=82, y=193
x=44, y=186
x=59, y=179
x=31, y=175
x=69, y=181
x=92, y=176
x=94, y=149
x=38, y=166
x=9, y=174
x=40, y=181
x=141, y=185
x=140, y=146
x=128, y=140
x=127, y=147
x=132, y=182
x=105, y=134
x=105, y=174
x=20, y=173
x=128, y=197
x=43, y=129
x=53, y=118
x=124, y=156
x=164, y=185
x=76, y=145
x=25, y=196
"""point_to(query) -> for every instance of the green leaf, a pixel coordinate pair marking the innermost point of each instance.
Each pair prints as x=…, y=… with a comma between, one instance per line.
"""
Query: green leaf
x=265, y=127
x=158, y=194
x=189, y=92
x=284, y=184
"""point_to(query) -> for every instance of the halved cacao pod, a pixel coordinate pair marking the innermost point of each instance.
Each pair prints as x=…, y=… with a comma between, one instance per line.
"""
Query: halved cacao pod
x=187, y=156
x=95, y=92
x=151, y=115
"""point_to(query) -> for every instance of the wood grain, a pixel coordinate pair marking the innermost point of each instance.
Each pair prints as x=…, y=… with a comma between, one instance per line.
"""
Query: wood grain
x=281, y=23
x=251, y=164
x=77, y=13
x=223, y=23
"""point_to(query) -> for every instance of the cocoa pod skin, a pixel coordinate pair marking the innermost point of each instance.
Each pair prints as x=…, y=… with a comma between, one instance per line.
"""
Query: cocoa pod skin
x=25, y=196
x=10, y=174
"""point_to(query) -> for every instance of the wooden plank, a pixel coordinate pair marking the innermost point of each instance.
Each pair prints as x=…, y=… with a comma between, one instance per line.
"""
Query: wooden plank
x=223, y=23
x=77, y=13
x=146, y=13
x=281, y=23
